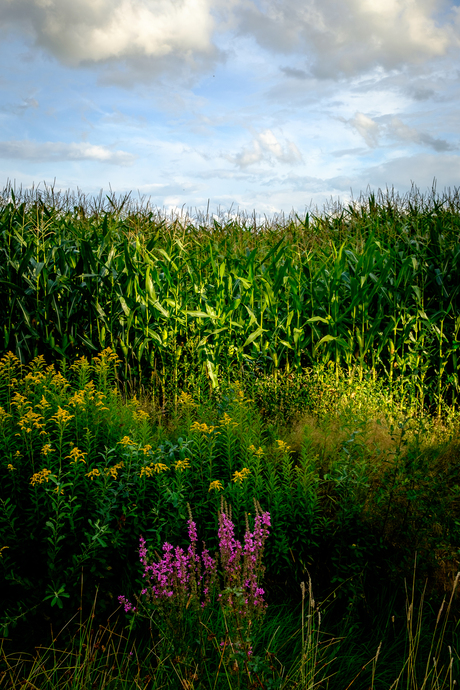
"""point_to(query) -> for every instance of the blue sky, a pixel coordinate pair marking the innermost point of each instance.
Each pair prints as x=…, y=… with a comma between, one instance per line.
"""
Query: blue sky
x=266, y=105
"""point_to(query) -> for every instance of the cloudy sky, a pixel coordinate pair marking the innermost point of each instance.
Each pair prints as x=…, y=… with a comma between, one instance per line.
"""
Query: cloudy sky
x=264, y=104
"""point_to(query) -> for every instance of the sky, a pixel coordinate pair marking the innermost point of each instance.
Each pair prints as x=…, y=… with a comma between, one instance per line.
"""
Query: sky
x=257, y=105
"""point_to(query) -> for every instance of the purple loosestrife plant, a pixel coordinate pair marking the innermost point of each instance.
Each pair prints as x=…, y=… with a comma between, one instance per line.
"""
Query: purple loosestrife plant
x=242, y=565
x=183, y=580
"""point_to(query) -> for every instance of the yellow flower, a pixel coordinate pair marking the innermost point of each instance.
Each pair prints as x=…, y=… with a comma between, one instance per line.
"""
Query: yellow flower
x=31, y=420
x=2, y=549
x=107, y=356
x=3, y=415
x=258, y=452
x=34, y=379
x=196, y=426
x=43, y=404
x=141, y=416
x=81, y=363
x=47, y=449
x=227, y=421
x=20, y=401
x=160, y=467
x=126, y=441
x=62, y=417
x=77, y=399
x=113, y=471
x=241, y=476
x=100, y=401
x=240, y=398
x=186, y=400
x=93, y=473
x=59, y=381
x=56, y=490
x=37, y=363
x=283, y=447
x=147, y=471
x=10, y=467
x=216, y=485
x=9, y=361
x=40, y=477
x=146, y=448
x=76, y=455
x=182, y=465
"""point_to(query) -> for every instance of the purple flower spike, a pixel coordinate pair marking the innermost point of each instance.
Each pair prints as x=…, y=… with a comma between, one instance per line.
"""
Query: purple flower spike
x=181, y=577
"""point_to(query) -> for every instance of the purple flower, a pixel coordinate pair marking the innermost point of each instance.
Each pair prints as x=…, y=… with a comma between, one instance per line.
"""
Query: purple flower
x=180, y=577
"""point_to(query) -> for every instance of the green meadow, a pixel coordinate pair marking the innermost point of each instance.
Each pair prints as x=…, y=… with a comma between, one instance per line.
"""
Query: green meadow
x=158, y=371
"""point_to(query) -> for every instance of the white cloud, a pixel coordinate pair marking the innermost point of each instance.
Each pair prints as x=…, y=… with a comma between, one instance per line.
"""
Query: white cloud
x=266, y=148
x=397, y=129
x=60, y=151
x=367, y=127
x=337, y=38
x=394, y=128
x=352, y=37
x=80, y=31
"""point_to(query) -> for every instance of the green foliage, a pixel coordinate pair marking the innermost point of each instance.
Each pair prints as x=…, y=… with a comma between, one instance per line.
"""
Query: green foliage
x=84, y=473
x=312, y=367
x=374, y=291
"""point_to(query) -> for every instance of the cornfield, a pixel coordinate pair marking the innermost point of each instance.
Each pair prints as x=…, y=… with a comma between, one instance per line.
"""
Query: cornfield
x=371, y=289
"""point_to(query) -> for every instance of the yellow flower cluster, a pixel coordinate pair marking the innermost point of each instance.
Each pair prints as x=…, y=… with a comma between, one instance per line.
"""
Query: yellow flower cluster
x=76, y=455
x=47, y=449
x=31, y=420
x=126, y=441
x=204, y=428
x=239, y=477
x=21, y=402
x=93, y=473
x=62, y=417
x=113, y=471
x=227, y=421
x=10, y=467
x=141, y=416
x=9, y=361
x=3, y=415
x=108, y=356
x=78, y=399
x=186, y=400
x=216, y=485
x=259, y=452
x=240, y=394
x=34, y=378
x=88, y=394
x=153, y=468
x=60, y=382
x=43, y=404
x=283, y=447
x=81, y=363
x=40, y=477
x=182, y=465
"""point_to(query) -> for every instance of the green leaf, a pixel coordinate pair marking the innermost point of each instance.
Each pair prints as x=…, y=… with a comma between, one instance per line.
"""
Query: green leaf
x=255, y=335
